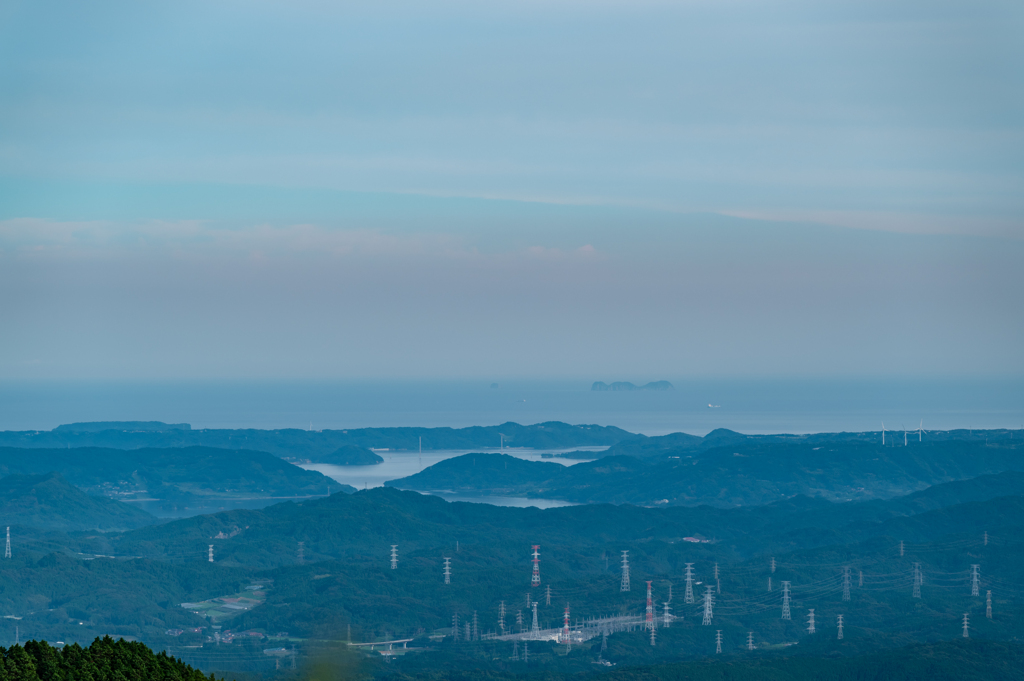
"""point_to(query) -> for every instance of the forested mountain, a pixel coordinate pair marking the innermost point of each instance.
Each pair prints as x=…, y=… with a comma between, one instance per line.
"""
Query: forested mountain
x=51, y=502
x=751, y=472
x=680, y=443
x=169, y=473
x=344, y=578
x=315, y=445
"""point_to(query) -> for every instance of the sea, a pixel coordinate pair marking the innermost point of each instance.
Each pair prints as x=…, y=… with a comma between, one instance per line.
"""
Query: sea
x=695, y=406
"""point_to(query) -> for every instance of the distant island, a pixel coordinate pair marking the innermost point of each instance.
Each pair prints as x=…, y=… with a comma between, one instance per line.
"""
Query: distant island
x=130, y=426
x=625, y=385
x=353, y=455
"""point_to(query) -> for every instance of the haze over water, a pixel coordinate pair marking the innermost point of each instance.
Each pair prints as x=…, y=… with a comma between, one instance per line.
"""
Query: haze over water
x=753, y=406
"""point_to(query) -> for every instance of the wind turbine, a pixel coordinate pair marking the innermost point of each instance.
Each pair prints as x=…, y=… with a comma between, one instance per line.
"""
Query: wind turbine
x=920, y=429
x=904, y=435
x=883, y=433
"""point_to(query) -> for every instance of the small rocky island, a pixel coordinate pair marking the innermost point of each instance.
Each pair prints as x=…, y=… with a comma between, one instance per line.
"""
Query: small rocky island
x=353, y=455
x=625, y=385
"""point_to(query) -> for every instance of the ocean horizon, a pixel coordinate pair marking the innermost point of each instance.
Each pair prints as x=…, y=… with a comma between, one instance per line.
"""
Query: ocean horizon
x=693, y=406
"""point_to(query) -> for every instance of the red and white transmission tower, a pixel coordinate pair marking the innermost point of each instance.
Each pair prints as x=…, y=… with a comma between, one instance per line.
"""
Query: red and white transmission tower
x=650, y=609
x=536, y=567
x=565, y=628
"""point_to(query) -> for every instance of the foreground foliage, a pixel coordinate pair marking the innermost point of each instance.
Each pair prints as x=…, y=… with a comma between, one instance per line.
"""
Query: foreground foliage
x=104, y=660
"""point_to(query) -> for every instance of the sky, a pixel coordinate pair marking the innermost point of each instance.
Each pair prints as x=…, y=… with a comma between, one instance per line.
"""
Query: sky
x=603, y=190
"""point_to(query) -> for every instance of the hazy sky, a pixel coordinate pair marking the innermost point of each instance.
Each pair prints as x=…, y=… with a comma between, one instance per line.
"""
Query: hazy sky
x=606, y=190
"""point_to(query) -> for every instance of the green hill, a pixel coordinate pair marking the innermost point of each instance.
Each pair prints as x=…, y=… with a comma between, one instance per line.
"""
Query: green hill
x=747, y=472
x=51, y=502
x=311, y=445
x=169, y=473
x=352, y=455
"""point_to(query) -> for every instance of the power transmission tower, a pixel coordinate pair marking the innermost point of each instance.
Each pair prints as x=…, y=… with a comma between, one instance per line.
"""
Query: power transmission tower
x=785, y=601
x=7, y=551
x=455, y=627
x=624, y=584
x=917, y=580
x=988, y=604
x=718, y=641
x=649, y=623
x=476, y=628
x=302, y=552
x=769, y=583
x=209, y=554
x=773, y=566
x=839, y=623
x=547, y=596
x=394, y=556
x=709, y=600
x=810, y=621
x=750, y=640
x=718, y=582
x=565, y=629
x=528, y=600
x=846, y=583
x=536, y=628
x=519, y=621
x=515, y=650
x=975, y=574
x=447, y=570
x=501, y=617
x=535, y=580
x=986, y=538
x=666, y=614
x=688, y=595
x=966, y=626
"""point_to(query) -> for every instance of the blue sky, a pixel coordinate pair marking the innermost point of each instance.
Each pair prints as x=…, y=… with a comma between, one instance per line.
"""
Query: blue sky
x=558, y=189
